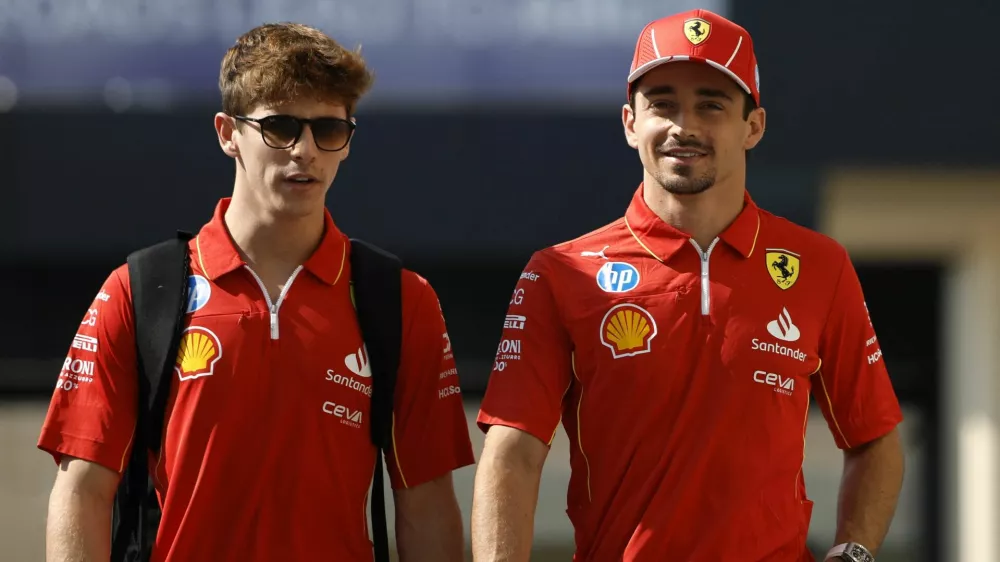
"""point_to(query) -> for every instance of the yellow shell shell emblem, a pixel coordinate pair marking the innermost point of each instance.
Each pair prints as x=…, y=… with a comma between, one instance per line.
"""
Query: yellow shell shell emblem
x=197, y=353
x=783, y=266
x=697, y=30
x=628, y=329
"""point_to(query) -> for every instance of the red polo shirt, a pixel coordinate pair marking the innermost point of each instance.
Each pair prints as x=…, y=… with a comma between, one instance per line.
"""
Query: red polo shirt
x=266, y=452
x=683, y=378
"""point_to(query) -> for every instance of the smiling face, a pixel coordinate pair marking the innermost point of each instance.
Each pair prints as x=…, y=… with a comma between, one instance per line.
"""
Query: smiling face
x=692, y=126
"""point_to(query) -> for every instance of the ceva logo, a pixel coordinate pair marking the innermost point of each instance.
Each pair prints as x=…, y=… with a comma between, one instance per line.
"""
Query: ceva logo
x=347, y=416
x=782, y=385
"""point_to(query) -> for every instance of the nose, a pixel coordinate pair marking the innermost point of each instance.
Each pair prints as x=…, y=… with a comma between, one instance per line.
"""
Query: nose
x=305, y=149
x=686, y=124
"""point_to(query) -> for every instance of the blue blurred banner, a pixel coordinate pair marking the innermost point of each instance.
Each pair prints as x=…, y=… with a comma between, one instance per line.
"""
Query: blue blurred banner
x=154, y=53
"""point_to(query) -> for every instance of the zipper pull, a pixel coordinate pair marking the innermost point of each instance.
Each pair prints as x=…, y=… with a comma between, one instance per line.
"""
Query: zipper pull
x=274, y=325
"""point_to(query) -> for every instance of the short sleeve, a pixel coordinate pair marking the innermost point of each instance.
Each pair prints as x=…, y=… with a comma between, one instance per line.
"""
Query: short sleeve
x=430, y=432
x=92, y=412
x=532, y=370
x=852, y=386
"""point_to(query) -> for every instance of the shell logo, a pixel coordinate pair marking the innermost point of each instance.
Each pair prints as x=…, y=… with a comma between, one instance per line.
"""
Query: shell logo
x=627, y=330
x=198, y=353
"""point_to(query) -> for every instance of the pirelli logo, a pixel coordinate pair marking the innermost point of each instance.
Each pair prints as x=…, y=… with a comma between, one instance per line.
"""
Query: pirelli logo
x=514, y=322
x=85, y=343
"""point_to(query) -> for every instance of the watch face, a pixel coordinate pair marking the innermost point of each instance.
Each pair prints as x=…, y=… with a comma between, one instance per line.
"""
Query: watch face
x=859, y=554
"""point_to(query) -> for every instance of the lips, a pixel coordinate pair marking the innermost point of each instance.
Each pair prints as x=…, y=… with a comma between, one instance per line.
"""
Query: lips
x=301, y=178
x=684, y=152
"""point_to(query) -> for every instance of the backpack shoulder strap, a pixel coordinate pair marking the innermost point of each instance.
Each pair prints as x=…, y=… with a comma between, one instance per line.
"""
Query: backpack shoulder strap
x=158, y=278
x=158, y=281
x=376, y=277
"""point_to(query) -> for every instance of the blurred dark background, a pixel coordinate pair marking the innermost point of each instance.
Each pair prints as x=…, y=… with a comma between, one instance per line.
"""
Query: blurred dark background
x=465, y=186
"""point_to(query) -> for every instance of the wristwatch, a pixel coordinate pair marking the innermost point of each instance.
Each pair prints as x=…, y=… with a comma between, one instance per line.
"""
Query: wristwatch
x=850, y=552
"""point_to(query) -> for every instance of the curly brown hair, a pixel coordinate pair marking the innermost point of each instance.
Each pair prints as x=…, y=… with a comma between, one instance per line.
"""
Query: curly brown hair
x=277, y=63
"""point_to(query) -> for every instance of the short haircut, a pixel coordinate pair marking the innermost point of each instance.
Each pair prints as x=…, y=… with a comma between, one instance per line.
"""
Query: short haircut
x=281, y=62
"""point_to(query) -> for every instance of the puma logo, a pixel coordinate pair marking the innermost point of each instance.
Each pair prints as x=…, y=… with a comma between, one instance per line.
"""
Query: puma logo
x=588, y=254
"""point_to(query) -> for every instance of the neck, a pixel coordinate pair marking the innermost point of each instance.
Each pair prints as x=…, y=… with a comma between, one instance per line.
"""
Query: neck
x=704, y=215
x=268, y=241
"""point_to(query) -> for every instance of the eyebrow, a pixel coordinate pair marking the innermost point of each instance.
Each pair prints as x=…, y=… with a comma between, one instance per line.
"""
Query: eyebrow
x=701, y=92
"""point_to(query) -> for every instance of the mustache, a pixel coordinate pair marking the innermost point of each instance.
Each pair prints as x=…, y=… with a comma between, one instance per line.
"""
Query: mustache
x=686, y=143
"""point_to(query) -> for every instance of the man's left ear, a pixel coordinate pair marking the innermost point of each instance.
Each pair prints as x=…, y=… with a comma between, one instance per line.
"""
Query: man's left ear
x=756, y=123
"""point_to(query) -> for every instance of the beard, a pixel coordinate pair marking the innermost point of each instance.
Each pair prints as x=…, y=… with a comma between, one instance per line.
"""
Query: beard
x=682, y=180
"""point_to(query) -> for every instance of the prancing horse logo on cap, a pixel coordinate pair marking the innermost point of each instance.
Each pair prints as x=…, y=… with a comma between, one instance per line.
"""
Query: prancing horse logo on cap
x=697, y=30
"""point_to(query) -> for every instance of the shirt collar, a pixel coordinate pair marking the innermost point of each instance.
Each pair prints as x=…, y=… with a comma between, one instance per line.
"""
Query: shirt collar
x=663, y=240
x=218, y=255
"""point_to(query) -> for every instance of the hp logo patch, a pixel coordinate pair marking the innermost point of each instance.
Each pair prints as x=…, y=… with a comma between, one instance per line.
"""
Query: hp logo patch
x=199, y=291
x=617, y=277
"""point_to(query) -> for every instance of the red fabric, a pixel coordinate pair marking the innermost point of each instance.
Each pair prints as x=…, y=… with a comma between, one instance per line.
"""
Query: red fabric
x=687, y=417
x=266, y=453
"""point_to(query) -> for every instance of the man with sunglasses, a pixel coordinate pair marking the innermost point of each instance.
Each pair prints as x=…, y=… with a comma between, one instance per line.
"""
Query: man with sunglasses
x=266, y=452
x=681, y=345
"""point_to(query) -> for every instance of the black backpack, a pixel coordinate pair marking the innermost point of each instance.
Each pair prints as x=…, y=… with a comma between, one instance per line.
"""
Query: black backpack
x=158, y=277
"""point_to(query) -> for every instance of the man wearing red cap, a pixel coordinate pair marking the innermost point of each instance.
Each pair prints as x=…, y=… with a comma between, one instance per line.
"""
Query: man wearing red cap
x=681, y=344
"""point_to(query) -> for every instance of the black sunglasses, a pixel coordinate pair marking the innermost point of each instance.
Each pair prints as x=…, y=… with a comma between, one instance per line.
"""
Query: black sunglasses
x=283, y=131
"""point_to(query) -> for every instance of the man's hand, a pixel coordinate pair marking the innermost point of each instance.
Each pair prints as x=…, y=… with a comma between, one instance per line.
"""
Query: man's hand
x=869, y=491
x=78, y=528
x=429, y=522
x=506, y=494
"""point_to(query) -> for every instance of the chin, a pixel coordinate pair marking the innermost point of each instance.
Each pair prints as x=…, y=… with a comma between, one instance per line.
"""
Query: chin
x=685, y=183
x=687, y=187
x=300, y=203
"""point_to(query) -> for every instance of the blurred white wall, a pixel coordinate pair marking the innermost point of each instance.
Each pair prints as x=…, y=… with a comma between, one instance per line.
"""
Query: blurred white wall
x=954, y=217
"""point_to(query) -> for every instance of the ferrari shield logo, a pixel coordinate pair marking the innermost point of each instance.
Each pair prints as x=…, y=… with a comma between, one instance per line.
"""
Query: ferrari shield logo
x=783, y=267
x=696, y=30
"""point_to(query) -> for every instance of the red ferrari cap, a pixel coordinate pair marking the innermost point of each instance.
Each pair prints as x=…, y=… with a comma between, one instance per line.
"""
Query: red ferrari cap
x=700, y=36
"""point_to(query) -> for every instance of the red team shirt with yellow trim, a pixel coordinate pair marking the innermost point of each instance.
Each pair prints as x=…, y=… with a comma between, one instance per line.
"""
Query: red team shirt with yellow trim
x=266, y=452
x=683, y=378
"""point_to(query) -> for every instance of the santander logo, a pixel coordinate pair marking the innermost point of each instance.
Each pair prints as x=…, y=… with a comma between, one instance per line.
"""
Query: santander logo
x=358, y=363
x=783, y=328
